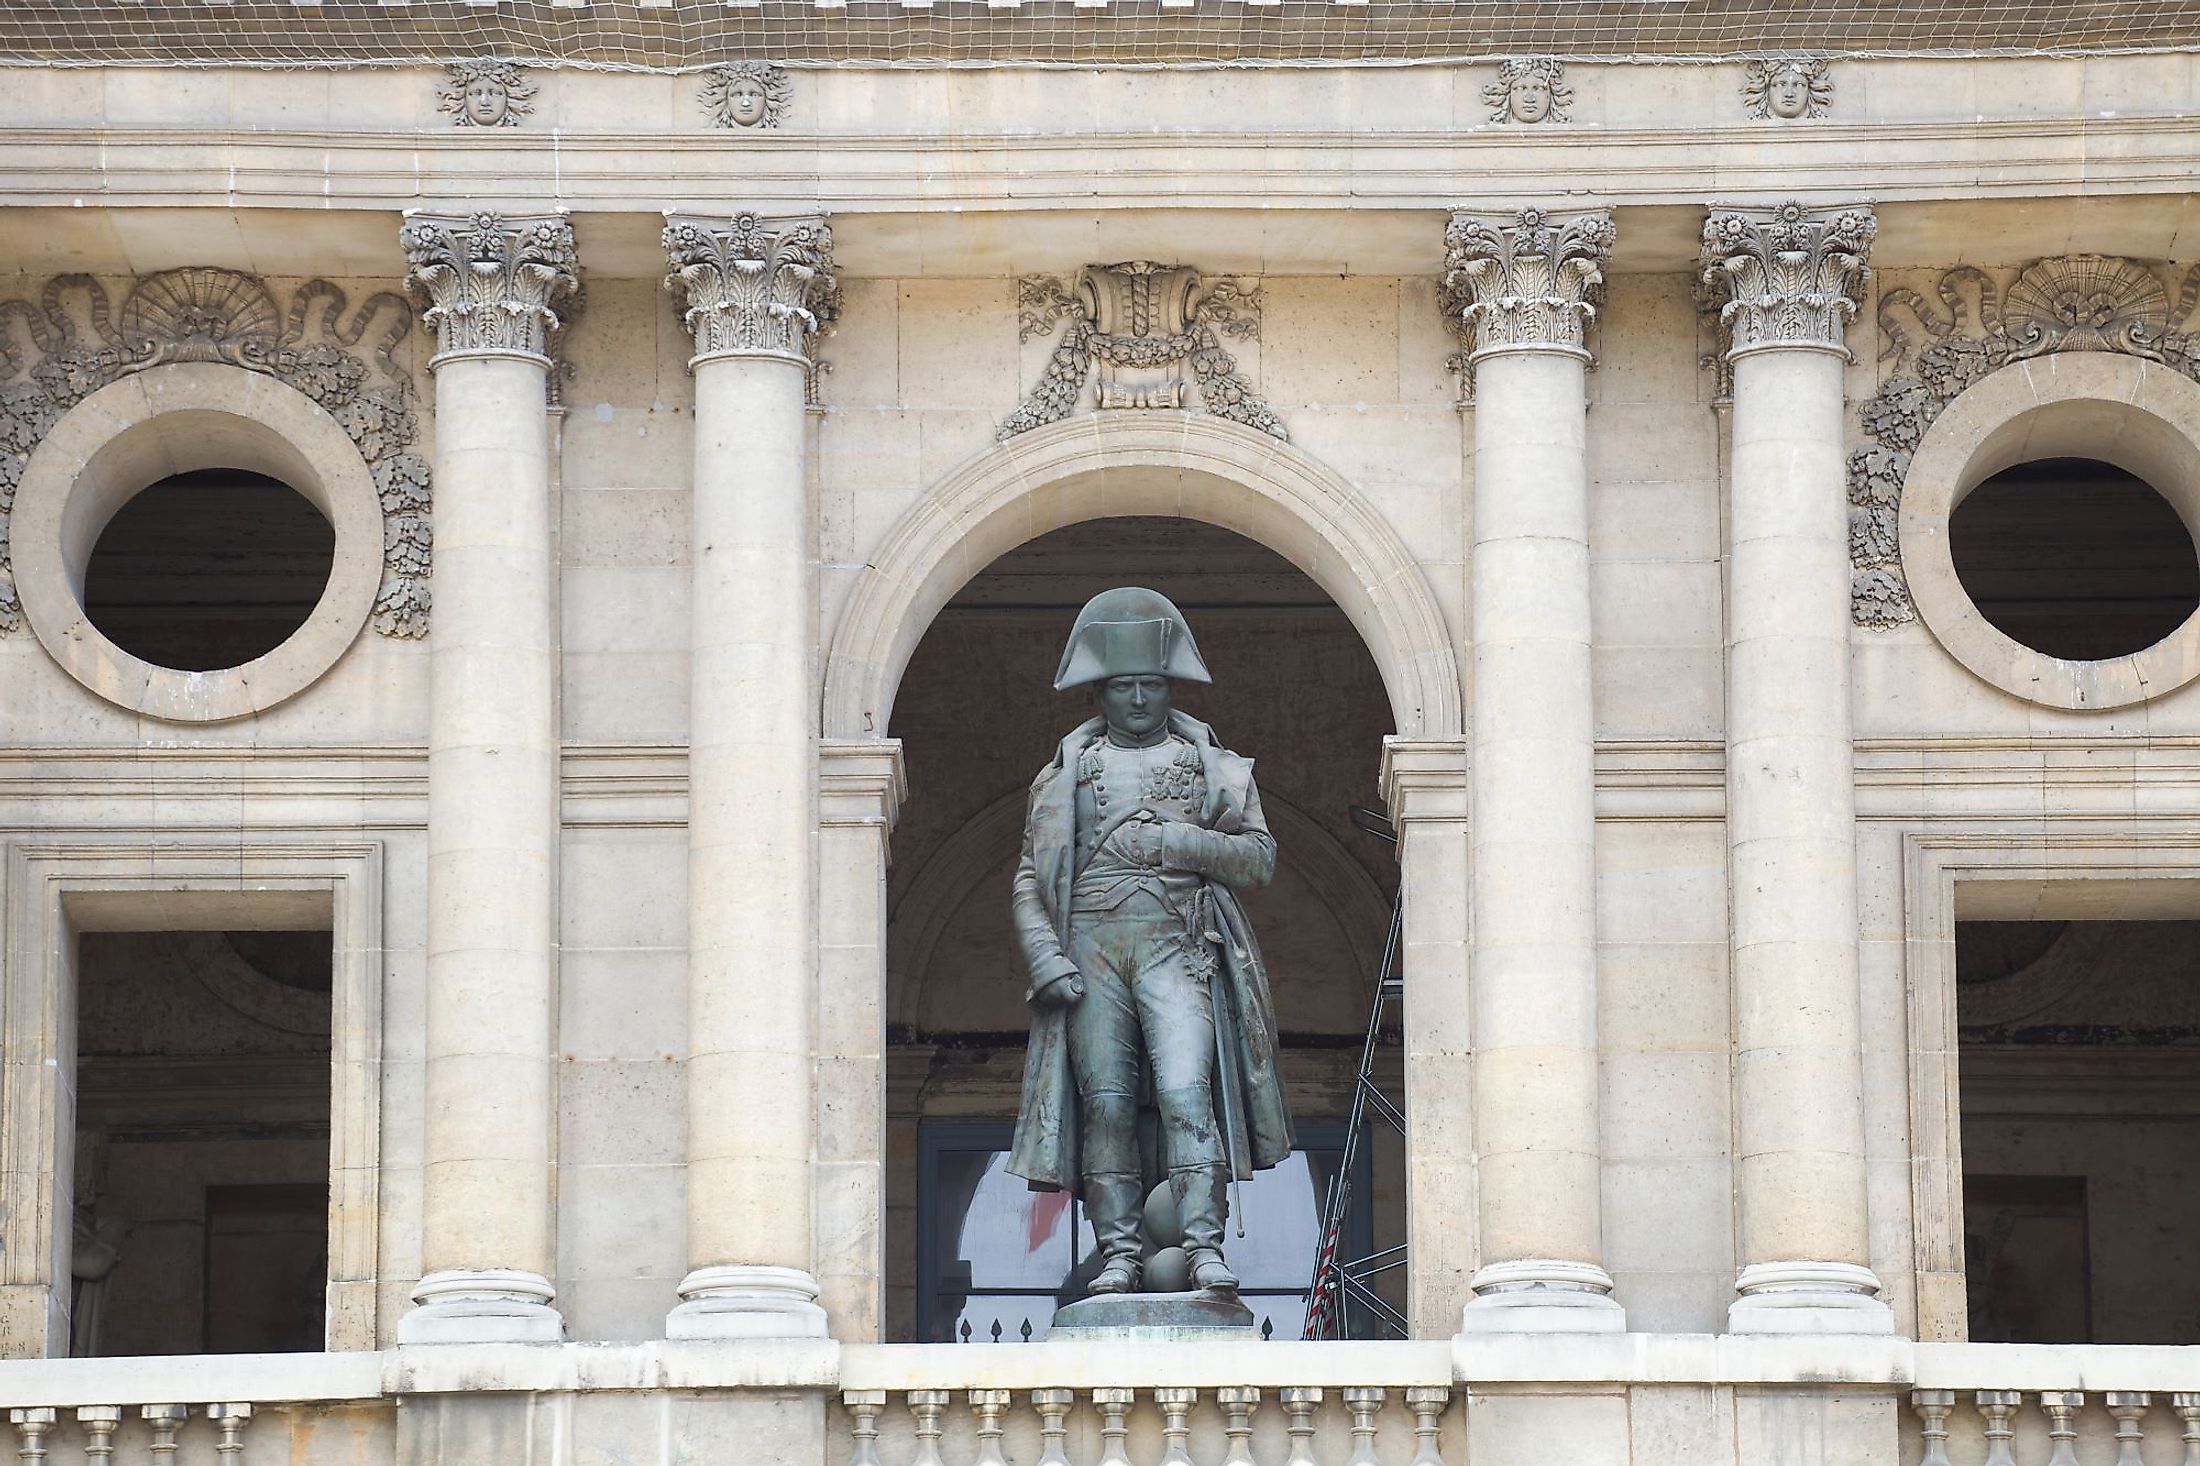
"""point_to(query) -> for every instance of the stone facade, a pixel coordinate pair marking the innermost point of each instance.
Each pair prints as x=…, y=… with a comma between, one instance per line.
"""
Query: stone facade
x=1564, y=456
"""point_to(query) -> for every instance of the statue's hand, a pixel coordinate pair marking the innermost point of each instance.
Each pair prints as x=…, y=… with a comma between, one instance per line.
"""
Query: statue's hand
x=1063, y=992
x=1143, y=836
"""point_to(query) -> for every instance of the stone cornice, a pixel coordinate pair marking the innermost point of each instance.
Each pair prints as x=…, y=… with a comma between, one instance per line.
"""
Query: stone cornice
x=752, y=287
x=1527, y=281
x=1789, y=277
x=492, y=283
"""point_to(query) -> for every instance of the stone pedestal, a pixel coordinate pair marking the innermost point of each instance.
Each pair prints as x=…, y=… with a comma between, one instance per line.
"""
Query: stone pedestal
x=1198, y=1317
x=493, y=747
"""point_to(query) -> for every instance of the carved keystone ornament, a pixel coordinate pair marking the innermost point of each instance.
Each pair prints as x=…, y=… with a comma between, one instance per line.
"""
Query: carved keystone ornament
x=1153, y=331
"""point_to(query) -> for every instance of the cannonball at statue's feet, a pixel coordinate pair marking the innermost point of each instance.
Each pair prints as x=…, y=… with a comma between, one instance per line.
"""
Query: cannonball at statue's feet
x=1119, y=1276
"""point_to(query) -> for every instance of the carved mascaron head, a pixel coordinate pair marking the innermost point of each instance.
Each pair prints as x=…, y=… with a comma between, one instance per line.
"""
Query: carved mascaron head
x=1786, y=88
x=1529, y=90
x=747, y=94
x=487, y=94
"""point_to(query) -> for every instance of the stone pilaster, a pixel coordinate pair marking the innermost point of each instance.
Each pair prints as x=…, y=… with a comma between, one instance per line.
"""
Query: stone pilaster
x=1527, y=286
x=493, y=286
x=1790, y=278
x=753, y=291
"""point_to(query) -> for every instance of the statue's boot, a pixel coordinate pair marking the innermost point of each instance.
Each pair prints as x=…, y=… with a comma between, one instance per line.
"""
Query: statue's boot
x=1200, y=1206
x=1113, y=1204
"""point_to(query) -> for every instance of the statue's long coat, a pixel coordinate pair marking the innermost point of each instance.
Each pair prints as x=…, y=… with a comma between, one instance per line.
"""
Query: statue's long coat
x=1249, y=1098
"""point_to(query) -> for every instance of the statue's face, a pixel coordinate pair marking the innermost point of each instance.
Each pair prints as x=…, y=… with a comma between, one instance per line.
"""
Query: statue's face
x=1530, y=97
x=1135, y=706
x=485, y=101
x=746, y=101
x=1789, y=94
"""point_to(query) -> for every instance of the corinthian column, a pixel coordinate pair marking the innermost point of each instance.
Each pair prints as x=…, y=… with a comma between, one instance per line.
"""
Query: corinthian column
x=755, y=290
x=493, y=285
x=1789, y=277
x=1530, y=282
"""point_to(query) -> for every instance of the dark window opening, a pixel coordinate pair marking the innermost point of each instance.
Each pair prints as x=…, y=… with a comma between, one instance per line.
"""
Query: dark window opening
x=2079, y=1060
x=2075, y=558
x=209, y=569
x=202, y=1143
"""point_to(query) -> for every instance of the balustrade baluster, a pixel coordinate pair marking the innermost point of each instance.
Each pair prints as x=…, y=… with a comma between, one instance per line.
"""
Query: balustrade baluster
x=230, y=1419
x=1053, y=1407
x=1427, y=1403
x=2128, y=1407
x=1997, y=1406
x=927, y=1406
x=1300, y=1403
x=165, y=1420
x=2187, y=1407
x=987, y=1405
x=1238, y=1403
x=864, y=1407
x=1176, y=1407
x=1364, y=1403
x=99, y=1422
x=31, y=1426
x=2062, y=1407
x=1115, y=1408
x=1932, y=1407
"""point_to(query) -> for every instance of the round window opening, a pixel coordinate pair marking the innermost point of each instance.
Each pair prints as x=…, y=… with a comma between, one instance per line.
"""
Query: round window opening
x=209, y=570
x=2075, y=559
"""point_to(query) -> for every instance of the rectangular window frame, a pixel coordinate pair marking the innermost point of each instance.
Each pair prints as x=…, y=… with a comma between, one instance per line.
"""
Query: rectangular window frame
x=53, y=891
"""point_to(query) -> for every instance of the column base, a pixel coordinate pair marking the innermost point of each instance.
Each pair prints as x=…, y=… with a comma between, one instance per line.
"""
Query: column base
x=1808, y=1298
x=1542, y=1296
x=482, y=1306
x=747, y=1301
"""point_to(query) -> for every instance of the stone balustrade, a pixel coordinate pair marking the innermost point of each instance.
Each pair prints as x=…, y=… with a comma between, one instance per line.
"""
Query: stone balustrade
x=2053, y=1427
x=1174, y=1425
x=1090, y=1403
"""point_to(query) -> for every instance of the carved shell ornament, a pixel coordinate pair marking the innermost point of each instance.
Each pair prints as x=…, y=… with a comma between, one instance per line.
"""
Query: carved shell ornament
x=203, y=315
x=2086, y=303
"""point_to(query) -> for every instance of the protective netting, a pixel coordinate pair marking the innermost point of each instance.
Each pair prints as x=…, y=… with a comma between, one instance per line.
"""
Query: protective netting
x=689, y=34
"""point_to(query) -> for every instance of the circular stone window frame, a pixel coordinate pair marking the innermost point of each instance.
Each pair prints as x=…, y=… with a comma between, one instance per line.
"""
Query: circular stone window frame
x=2138, y=415
x=166, y=420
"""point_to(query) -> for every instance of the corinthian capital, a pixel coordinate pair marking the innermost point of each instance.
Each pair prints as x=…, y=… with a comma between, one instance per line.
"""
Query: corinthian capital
x=1788, y=278
x=492, y=284
x=1529, y=281
x=753, y=287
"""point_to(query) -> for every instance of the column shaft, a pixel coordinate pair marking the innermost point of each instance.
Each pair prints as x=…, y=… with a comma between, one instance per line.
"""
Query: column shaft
x=1533, y=739
x=492, y=795
x=752, y=783
x=1791, y=802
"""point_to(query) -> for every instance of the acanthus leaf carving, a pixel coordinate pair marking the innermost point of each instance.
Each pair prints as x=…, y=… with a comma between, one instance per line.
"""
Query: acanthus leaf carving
x=75, y=346
x=1789, y=276
x=1151, y=335
x=753, y=286
x=1527, y=281
x=2066, y=303
x=494, y=286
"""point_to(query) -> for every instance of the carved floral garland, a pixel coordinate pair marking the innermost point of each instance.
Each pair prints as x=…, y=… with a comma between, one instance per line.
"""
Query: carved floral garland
x=214, y=315
x=2074, y=303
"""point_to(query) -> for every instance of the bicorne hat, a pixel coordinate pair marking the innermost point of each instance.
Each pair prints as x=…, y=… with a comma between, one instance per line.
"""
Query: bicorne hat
x=1129, y=632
